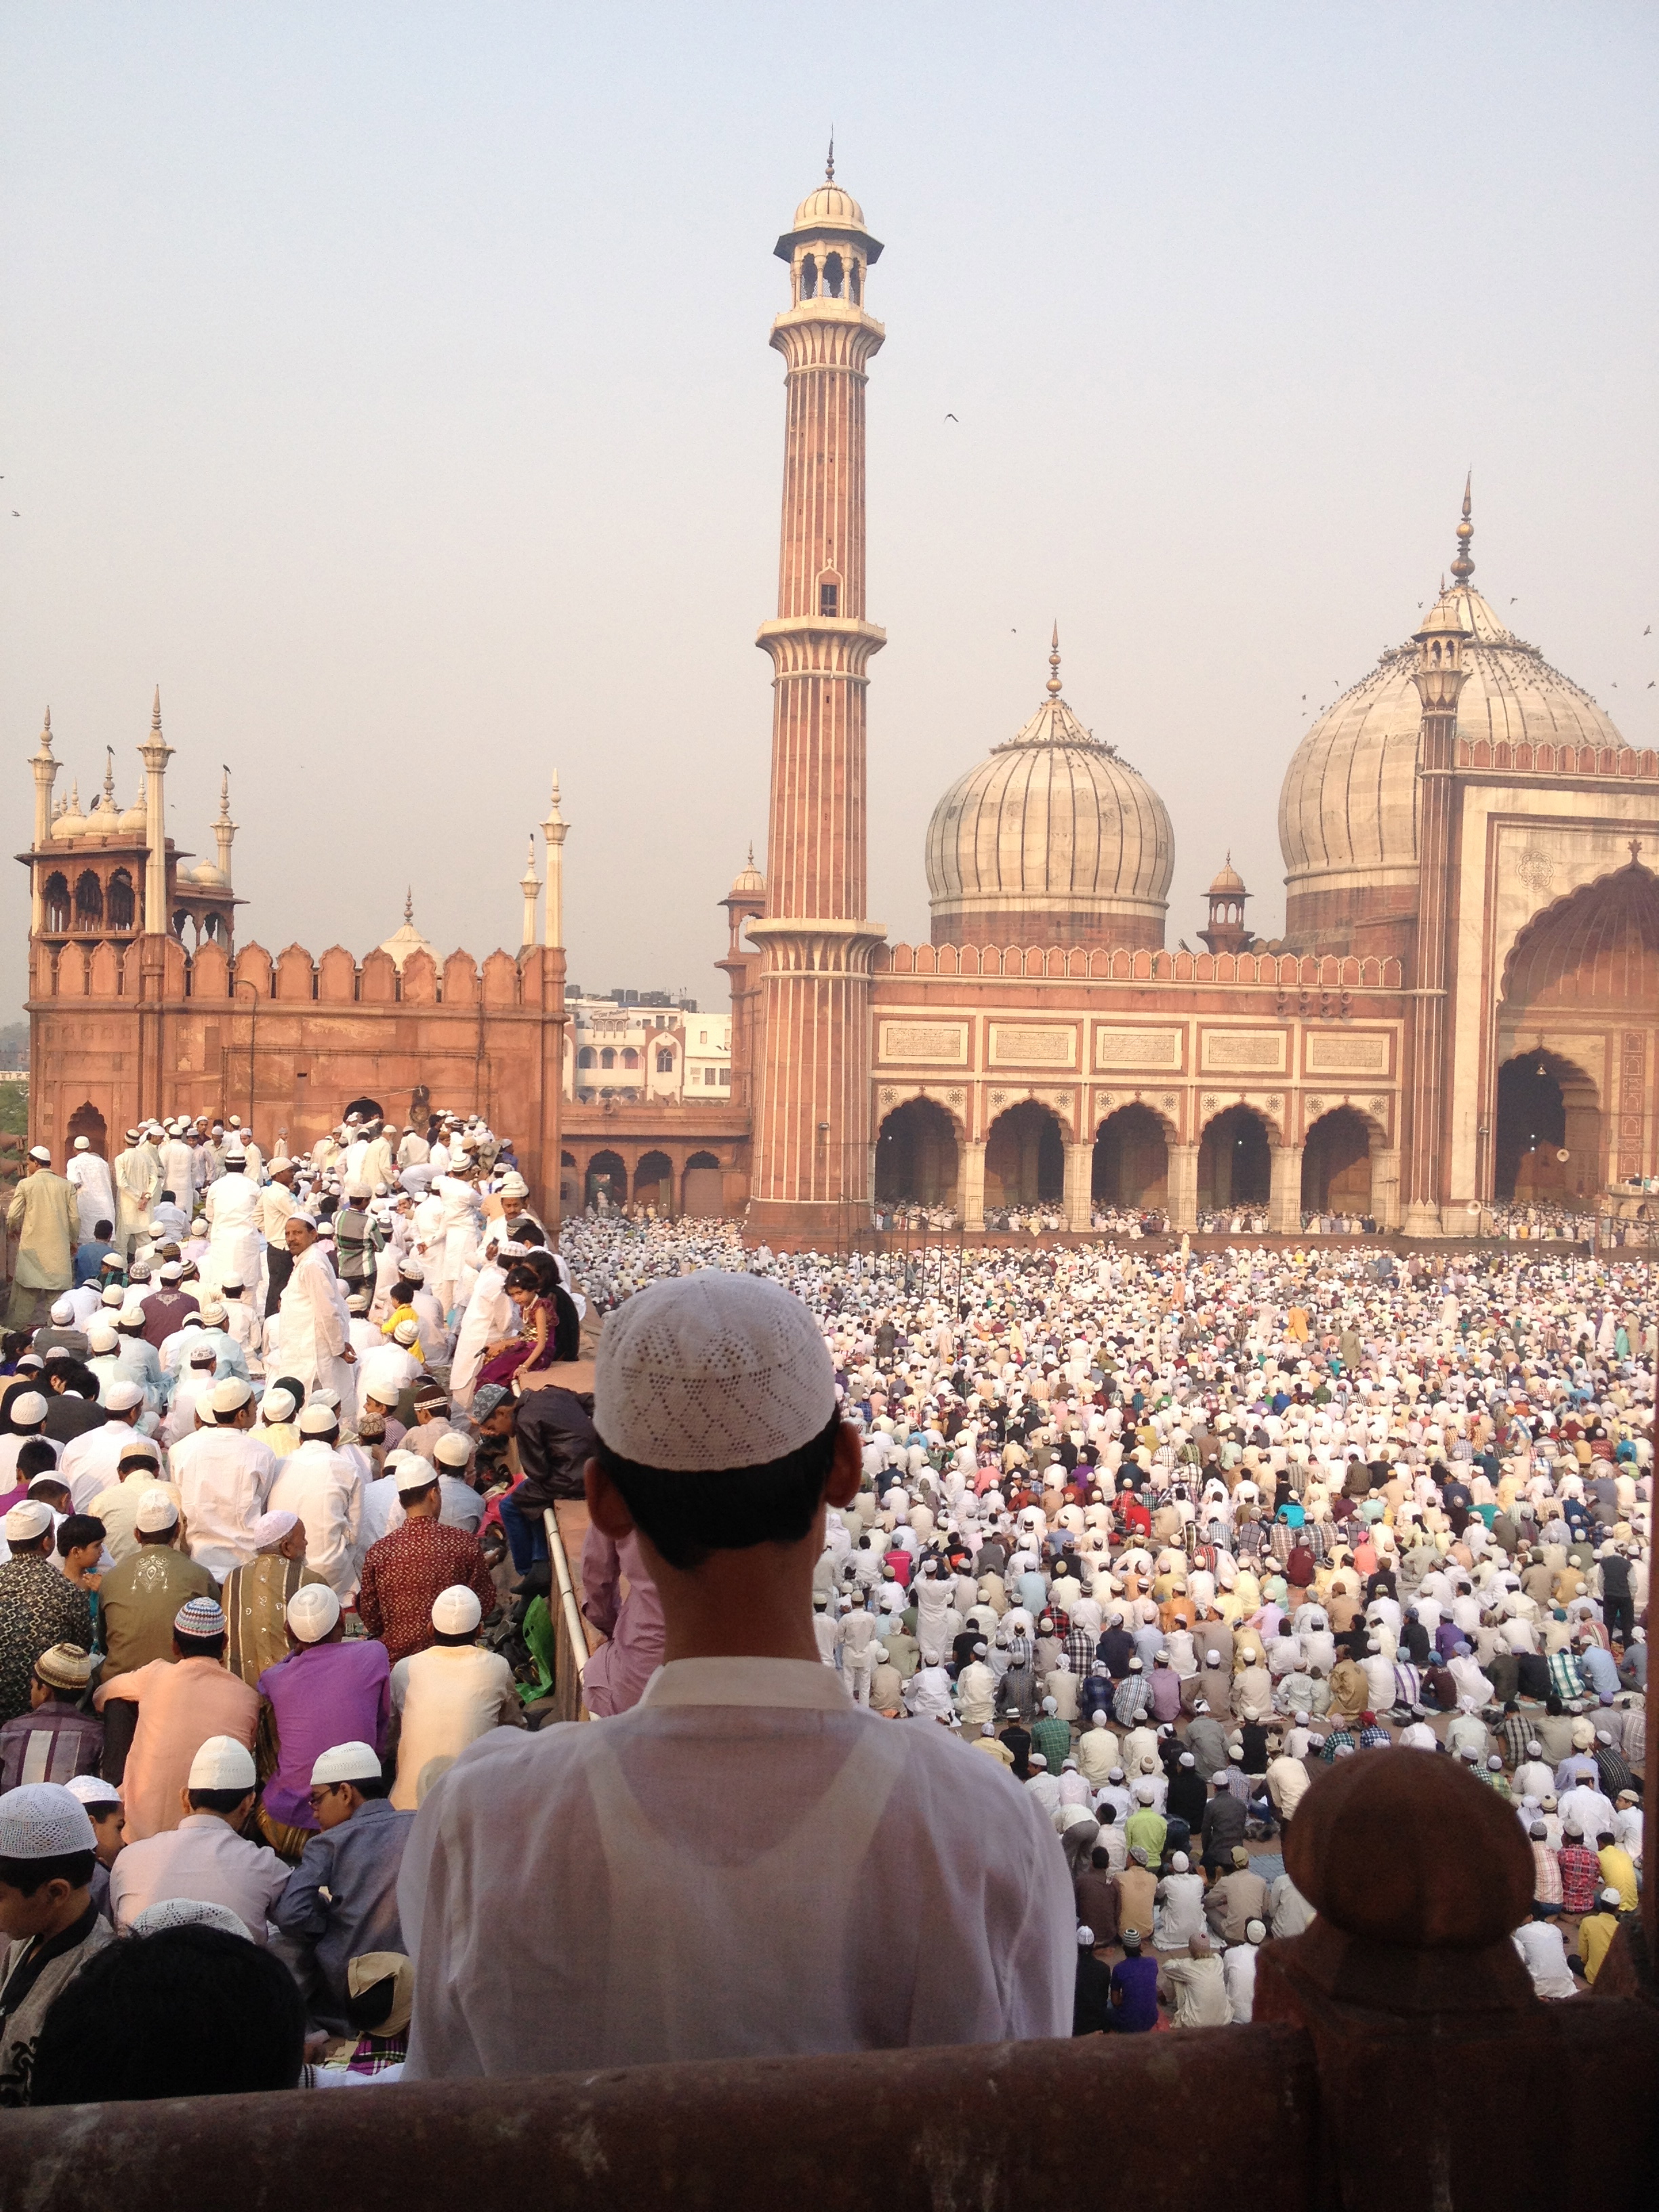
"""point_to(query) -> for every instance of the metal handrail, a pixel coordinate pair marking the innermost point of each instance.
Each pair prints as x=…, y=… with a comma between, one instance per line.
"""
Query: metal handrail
x=574, y=1638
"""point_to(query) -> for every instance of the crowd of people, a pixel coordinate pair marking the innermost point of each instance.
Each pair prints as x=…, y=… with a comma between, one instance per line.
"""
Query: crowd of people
x=1159, y=1536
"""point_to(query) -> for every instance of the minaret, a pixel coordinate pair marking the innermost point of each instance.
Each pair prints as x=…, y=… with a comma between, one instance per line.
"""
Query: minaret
x=811, y=1168
x=1439, y=675
x=155, y=753
x=224, y=829
x=44, y=765
x=530, y=884
x=553, y=831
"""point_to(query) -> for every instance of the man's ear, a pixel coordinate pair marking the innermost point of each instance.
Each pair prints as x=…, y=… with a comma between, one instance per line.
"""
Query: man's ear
x=607, y=1507
x=847, y=1468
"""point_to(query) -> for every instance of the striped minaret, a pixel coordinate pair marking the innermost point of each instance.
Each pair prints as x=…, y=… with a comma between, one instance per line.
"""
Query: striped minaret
x=811, y=1176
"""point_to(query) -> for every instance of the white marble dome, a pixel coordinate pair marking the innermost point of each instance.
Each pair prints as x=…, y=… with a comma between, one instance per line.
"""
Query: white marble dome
x=1055, y=839
x=1348, y=809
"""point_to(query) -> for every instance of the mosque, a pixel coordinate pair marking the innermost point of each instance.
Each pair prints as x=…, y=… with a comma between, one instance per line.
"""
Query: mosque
x=1461, y=1008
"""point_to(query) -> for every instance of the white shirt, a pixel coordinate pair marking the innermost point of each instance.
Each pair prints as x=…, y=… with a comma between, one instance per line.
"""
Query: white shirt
x=1238, y=1972
x=224, y=1477
x=323, y=1487
x=1541, y=1946
x=635, y=1860
x=87, y=1463
x=203, y=1859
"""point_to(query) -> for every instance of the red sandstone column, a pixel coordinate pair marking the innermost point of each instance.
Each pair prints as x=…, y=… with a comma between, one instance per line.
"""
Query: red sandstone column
x=1439, y=678
x=812, y=1146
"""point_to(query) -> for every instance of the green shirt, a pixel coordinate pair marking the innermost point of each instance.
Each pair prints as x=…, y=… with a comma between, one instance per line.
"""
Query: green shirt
x=1052, y=1738
x=1145, y=1831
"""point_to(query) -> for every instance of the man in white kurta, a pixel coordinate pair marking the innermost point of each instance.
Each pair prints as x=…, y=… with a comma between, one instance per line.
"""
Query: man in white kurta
x=459, y=1223
x=315, y=1339
x=137, y=1182
x=95, y=1194
x=232, y=1206
x=489, y=1315
x=178, y=1168
x=322, y=1487
x=907, y=1895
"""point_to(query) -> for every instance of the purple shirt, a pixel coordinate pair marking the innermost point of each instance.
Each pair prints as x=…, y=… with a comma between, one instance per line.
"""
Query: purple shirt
x=322, y=1695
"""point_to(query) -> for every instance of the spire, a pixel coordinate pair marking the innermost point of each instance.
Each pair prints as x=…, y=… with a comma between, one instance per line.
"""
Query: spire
x=829, y=165
x=1463, y=568
x=752, y=853
x=109, y=777
x=1054, y=663
x=530, y=880
x=155, y=712
x=224, y=796
x=45, y=752
x=409, y=908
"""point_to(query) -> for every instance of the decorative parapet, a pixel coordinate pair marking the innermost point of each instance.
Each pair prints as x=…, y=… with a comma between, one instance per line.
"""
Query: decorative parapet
x=1316, y=971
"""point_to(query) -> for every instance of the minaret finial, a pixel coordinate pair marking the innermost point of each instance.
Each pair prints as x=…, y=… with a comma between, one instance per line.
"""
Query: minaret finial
x=1463, y=568
x=224, y=796
x=1054, y=663
x=751, y=852
x=109, y=774
x=829, y=165
x=409, y=908
x=156, y=711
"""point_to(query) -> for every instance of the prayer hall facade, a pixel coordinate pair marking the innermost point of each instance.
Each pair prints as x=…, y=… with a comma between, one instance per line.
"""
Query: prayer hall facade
x=1462, y=1009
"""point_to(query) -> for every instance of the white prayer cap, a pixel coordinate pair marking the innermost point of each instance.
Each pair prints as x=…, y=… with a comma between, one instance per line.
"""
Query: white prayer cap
x=62, y=1312
x=27, y=1409
x=1136, y=1668
x=711, y=1371
x=188, y=1912
x=203, y=1356
x=1145, y=1793
x=114, y=1295
x=347, y=1762
x=1255, y=1931
x=1050, y=1705
x=39, y=1153
x=81, y=1144
x=1609, y=1895
x=44, y=1820
x=101, y=1337
x=171, y=1271
x=158, y=1509
x=29, y=1519
x=229, y=1395
x=1180, y=1861
x=410, y=1471
x=453, y=1449
x=1036, y=1759
x=313, y=1611
x=222, y=1763
x=1098, y=1717
x=212, y=1311
x=408, y=1330
x=456, y=1611
x=1085, y=1937
x=271, y=1528
x=93, y=1789
x=121, y=1397
x=277, y=1405
x=316, y=1419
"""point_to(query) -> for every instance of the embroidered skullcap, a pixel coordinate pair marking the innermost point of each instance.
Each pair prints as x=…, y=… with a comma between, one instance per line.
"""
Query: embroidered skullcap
x=408, y=1330
x=199, y=1616
x=30, y=1518
x=346, y=1762
x=188, y=1912
x=313, y=1611
x=64, y=1666
x=158, y=1509
x=277, y=1405
x=412, y=1473
x=27, y=1409
x=270, y=1529
x=709, y=1371
x=93, y=1789
x=122, y=1397
x=43, y=1821
x=316, y=1419
x=456, y=1611
x=222, y=1763
x=229, y=1395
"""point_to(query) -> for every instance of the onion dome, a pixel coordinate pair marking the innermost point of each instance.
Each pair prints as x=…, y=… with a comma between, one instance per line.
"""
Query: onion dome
x=71, y=823
x=749, y=883
x=1056, y=839
x=1228, y=884
x=408, y=940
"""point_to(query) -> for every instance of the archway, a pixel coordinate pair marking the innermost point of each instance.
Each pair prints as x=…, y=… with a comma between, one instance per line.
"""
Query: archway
x=1336, y=1164
x=704, y=1186
x=87, y=1121
x=916, y=1155
x=1545, y=1106
x=1234, y=1160
x=1026, y=1158
x=606, y=1174
x=1132, y=1159
x=55, y=898
x=654, y=1182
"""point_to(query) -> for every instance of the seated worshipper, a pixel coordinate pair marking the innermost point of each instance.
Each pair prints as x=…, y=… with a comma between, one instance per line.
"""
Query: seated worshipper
x=323, y=1485
x=256, y=1597
x=341, y=1901
x=103, y=1803
x=405, y=1573
x=1195, y=1987
x=635, y=1860
x=204, y=1856
x=1238, y=1970
x=448, y=1696
x=51, y=1926
x=1134, y=1988
x=326, y=1691
x=1596, y=1933
x=632, y=1625
x=185, y=2008
x=55, y=1739
x=1091, y=2003
x=39, y=1607
x=379, y=1998
x=181, y=1701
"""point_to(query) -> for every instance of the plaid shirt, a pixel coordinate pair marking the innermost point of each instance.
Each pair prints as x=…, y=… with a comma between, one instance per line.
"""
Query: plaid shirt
x=1581, y=1877
x=1338, y=1739
x=1080, y=1650
x=1565, y=1679
x=1407, y=1686
x=1514, y=1734
x=1131, y=1699
x=1375, y=1738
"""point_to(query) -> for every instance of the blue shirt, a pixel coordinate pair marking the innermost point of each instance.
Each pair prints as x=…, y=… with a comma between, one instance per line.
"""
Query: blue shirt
x=1137, y=1979
x=89, y=1260
x=357, y=1863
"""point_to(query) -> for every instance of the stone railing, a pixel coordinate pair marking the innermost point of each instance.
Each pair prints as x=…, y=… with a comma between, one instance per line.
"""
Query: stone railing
x=1283, y=971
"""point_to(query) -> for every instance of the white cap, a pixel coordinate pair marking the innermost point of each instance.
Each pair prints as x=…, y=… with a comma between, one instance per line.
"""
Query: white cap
x=453, y=1449
x=277, y=1405
x=1255, y=1931
x=101, y=1337
x=408, y=1330
x=711, y=1371
x=157, y=1508
x=93, y=1789
x=313, y=1611
x=316, y=1419
x=456, y=1611
x=412, y=1473
x=229, y=1394
x=30, y=1518
x=222, y=1763
x=28, y=1408
x=44, y=1820
x=347, y=1762
x=188, y=1912
x=62, y=1312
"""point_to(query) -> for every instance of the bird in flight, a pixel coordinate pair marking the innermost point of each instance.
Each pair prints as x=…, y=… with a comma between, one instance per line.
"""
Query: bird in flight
x=1648, y=632
x=948, y=416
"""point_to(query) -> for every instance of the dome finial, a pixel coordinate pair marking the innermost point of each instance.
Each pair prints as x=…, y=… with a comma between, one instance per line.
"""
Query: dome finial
x=155, y=710
x=1463, y=568
x=408, y=907
x=1054, y=663
x=830, y=164
x=109, y=777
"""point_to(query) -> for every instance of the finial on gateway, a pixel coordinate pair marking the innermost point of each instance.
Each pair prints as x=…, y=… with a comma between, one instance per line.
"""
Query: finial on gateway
x=1053, y=685
x=409, y=906
x=1463, y=568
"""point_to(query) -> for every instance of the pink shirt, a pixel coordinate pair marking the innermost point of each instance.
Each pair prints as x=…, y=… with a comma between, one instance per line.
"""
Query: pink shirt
x=618, y=1671
x=181, y=1703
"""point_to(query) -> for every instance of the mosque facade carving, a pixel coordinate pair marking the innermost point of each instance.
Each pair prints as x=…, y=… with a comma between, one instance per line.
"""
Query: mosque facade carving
x=1462, y=1007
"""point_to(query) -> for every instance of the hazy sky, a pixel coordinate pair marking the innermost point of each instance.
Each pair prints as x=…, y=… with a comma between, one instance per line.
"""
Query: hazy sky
x=392, y=383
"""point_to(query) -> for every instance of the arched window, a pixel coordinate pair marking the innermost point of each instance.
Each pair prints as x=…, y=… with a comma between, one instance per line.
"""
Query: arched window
x=665, y=1063
x=89, y=901
x=809, y=276
x=607, y=1058
x=56, y=900
x=630, y=1058
x=123, y=905
x=587, y=1057
x=832, y=276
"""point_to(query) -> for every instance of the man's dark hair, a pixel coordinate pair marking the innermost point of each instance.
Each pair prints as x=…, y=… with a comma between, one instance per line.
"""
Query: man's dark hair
x=688, y=1517
x=78, y=1528
x=381, y=1785
x=411, y=1496
x=197, y=1646
x=103, y=1230
x=1100, y=1858
x=27, y=1875
x=74, y=1375
x=189, y=2012
x=218, y=1801
x=454, y=1635
x=36, y=1456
